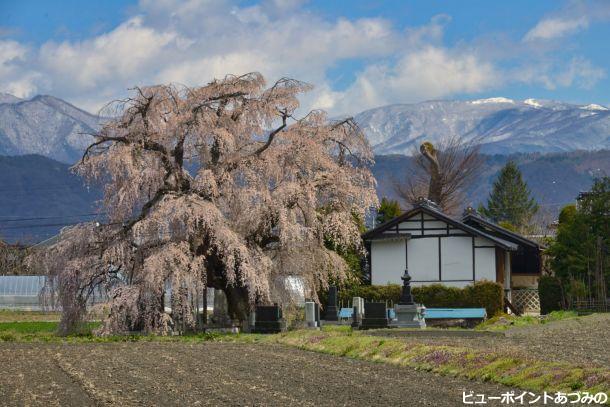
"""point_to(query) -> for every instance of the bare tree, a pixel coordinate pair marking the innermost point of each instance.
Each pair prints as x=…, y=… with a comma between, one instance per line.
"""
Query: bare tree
x=12, y=259
x=441, y=173
x=217, y=186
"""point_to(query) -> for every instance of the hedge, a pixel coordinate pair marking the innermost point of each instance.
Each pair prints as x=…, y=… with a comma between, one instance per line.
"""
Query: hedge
x=481, y=294
x=390, y=292
x=549, y=290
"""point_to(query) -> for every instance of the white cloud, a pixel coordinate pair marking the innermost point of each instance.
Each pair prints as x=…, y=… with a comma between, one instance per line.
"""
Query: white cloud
x=578, y=72
x=198, y=41
x=14, y=78
x=426, y=73
x=574, y=16
x=129, y=50
x=193, y=41
x=555, y=28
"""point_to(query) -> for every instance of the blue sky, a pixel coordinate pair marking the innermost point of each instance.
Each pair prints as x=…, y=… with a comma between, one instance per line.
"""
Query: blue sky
x=358, y=54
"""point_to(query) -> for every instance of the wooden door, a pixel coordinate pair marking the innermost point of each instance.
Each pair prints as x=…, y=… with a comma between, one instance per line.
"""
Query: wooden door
x=500, y=265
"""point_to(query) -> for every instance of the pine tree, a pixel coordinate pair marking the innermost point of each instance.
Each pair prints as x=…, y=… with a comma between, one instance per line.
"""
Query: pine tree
x=388, y=209
x=510, y=199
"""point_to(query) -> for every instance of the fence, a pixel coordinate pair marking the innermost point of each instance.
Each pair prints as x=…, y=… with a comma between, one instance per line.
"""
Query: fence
x=526, y=300
x=592, y=305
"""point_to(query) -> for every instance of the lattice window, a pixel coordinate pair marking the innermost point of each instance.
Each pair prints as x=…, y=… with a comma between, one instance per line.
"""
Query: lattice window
x=526, y=300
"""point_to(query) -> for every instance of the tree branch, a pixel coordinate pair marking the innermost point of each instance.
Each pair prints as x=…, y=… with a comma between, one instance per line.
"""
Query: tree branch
x=259, y=151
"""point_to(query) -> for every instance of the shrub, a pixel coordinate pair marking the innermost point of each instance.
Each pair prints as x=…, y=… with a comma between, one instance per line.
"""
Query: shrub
x=390, y=292
x=482, y=294
x=438, y=296
x=485, y=294
x=549, y=290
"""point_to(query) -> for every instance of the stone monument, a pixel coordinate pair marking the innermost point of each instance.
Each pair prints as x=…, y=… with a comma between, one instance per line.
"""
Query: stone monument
x=408, y=314
x=358, y=311
x=332, y=312
x=317, y=314
x=269, y=320
x=310, y=314
x=220, y=314
x=375, y=316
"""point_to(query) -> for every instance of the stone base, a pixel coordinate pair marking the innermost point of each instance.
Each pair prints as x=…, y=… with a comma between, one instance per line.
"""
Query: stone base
x=373, y=323
x=269, y=327
x=331, y=314
x=408, y=316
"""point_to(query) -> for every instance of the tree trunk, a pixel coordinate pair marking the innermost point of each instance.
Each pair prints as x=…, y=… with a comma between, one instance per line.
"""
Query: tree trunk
x=237, y=298
x=435, y=188
x=204, y=317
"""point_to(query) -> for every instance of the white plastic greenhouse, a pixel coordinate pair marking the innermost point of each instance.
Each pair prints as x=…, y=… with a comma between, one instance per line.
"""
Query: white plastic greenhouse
x=21, y=291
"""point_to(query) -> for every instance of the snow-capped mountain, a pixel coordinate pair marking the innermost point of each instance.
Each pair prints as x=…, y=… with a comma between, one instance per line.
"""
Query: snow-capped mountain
x=52, y=127
x=44, y=125
x=8, y=98
x=501, y=125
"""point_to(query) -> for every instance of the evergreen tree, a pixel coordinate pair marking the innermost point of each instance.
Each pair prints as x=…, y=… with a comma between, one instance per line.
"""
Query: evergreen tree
x=510, y=199
x=580, y=253
x=388, y=209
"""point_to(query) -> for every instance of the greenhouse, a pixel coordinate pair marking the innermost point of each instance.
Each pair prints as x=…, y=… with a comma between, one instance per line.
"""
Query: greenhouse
x=21, y=292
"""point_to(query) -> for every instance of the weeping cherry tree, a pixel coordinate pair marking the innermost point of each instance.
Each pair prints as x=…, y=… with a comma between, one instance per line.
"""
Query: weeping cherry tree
x=213, y=186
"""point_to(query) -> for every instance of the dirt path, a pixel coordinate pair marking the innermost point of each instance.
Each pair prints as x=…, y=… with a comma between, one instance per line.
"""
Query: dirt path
x=166, y=374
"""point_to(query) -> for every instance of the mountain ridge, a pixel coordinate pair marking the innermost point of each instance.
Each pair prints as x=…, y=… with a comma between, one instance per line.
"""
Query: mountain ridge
x=500, y=125
x=45, y=125
x=55, y=128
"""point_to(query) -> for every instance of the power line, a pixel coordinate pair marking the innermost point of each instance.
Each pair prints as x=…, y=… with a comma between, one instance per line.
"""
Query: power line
x=16, y=219
x=546, y=204
x=42, y=187
x=47, y=225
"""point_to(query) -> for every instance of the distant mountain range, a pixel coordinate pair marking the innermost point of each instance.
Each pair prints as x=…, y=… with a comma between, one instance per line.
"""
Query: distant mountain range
x=38, y=196
x=501, y=125
x=44, y=125
x=39, y=137
x=54, y=128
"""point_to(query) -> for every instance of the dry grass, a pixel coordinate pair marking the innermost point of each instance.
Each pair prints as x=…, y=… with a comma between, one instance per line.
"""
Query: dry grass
x=28, y=316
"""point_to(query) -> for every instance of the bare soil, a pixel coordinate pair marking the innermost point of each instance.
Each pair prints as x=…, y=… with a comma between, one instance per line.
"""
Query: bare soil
x=583, y=341
x=212, y=373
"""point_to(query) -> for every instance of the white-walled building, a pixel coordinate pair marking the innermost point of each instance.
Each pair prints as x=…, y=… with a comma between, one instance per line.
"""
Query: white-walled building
x=438, y=249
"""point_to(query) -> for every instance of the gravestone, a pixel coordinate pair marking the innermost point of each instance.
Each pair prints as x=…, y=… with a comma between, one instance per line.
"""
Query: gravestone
x=269, y=319
x=220, y=315
x=310, y=314
x=358, y=312
x=251, y=321
x=332, y=312
x=317, y=314
x=375, y=316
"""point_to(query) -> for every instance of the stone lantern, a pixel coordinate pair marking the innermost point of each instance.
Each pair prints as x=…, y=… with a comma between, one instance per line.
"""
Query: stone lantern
x=408, y=314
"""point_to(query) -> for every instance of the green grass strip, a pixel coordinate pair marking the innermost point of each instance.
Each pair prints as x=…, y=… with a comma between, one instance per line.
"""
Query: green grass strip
x=512, y=371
